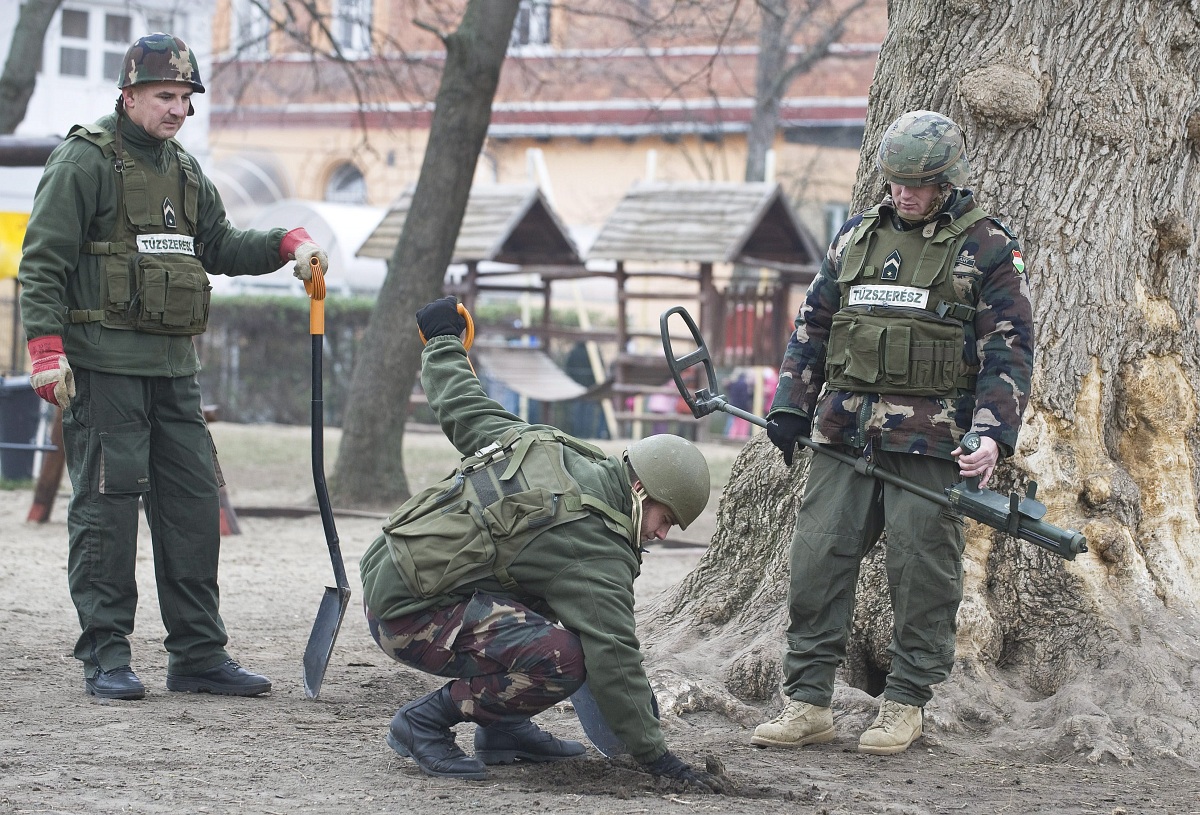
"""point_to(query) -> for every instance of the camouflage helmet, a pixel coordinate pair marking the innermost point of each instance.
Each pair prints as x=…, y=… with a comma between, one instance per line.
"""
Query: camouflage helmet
x=923, y=148
x=160, y=58
x=673, y=472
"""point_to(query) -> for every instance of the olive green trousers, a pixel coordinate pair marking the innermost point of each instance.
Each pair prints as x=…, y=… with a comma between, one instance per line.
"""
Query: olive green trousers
x=128, y=438
x=841, y=518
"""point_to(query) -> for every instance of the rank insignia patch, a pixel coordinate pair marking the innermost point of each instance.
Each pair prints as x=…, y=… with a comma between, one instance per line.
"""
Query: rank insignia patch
x=891, y=267
x=168, y=214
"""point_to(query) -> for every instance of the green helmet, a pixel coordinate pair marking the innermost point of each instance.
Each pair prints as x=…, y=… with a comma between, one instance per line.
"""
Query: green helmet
x=160, y=58
x=923, y=148
x=673, y=472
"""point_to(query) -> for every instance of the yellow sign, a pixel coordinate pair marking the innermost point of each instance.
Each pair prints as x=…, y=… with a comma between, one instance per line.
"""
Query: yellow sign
x=12, y=233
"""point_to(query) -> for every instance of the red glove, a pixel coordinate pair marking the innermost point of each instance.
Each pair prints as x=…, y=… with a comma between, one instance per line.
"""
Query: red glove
x=52, y=377
x=299, y=246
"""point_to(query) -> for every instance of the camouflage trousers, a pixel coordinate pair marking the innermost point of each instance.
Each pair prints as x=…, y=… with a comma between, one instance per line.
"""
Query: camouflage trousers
x=507, y=660
x=841, y=518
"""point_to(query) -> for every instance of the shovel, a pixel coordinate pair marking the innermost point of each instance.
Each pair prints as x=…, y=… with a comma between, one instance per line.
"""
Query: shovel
x=335, y=600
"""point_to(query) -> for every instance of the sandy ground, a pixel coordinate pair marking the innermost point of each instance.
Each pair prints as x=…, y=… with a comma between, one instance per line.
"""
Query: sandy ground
x=61, y=751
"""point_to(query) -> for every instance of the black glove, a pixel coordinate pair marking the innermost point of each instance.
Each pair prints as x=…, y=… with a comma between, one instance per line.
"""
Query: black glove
x=784, y=429
x=669, y=765
x=441, y=318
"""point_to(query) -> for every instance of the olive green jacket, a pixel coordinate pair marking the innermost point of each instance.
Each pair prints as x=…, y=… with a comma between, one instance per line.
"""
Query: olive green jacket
x=580, y=573
x=77, y=202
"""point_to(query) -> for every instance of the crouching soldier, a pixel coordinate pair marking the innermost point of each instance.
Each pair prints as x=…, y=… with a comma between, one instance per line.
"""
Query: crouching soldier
x=514, y=577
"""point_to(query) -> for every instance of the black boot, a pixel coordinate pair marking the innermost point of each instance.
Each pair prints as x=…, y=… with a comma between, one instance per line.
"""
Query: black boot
x=119, y=683
x=421, y=731
x=521, y=740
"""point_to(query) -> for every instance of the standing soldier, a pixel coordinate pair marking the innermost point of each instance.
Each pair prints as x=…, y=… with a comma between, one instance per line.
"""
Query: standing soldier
x=124, y=230
x=917, y=329
x=514, y=577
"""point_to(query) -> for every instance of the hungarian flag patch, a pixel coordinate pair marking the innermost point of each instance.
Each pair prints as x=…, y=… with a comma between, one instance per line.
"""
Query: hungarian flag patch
x=1018, y=262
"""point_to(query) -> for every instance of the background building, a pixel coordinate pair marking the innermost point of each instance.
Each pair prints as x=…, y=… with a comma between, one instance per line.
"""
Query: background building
x=594, y=97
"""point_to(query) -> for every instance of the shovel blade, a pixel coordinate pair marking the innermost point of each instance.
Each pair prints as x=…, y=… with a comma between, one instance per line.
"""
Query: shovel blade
x=598, y=731
x=320, y=641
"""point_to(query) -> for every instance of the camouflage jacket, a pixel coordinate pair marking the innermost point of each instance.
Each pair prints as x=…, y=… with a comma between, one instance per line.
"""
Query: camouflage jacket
x=999, y=341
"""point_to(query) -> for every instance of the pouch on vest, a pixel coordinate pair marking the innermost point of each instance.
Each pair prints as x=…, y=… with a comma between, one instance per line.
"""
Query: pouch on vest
x=908, y=354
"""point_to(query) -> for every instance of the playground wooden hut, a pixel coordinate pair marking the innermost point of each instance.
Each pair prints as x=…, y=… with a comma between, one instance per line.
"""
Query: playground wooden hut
x=667, y=241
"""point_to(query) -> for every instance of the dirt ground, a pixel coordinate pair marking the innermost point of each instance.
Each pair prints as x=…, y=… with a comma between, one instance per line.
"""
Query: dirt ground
x=64, y=752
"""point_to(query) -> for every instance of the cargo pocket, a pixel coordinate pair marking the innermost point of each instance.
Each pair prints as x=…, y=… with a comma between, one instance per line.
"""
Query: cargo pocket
x=895, y=356
x=865, y=344
x=438, y=548
x=171, y=300
x=186, y=302
x=516, y=514
x=125, y=460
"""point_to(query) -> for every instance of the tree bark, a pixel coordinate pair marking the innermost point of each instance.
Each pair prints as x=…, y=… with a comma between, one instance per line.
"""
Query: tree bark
x=24, y=60
x=370, y=463
x=1083, y=124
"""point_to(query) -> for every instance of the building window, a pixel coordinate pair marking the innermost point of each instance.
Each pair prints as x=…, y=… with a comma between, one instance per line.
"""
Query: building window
x=835, y=216
x=79, y=39
x=251, y=30
x=117, y=33
x=351, y=27
x=532, y=26
x=168, y=23
x=72, y=54
x=346, y=186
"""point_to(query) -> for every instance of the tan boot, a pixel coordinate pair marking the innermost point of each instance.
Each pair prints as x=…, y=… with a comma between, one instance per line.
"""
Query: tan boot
x=799, y=724
x=895, y=728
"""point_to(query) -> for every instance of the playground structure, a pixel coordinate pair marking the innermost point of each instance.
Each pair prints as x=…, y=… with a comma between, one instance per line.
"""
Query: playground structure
x=734, y=252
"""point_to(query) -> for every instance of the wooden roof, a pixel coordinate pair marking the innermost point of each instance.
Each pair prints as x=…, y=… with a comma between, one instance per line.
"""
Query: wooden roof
x=505, y=223
x=705, y=222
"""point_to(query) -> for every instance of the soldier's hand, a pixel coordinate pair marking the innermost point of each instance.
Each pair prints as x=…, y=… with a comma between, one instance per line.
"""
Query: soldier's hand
x=51, y=374
x=669, y=765
x=299, y=246
x=981, y=463
x=784, y=428
x=441, y=319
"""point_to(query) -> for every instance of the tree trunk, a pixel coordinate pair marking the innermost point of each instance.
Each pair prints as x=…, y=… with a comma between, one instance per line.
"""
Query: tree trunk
x=1083, y=123
x=370, y=464
x=24, y=61
x=768, y=88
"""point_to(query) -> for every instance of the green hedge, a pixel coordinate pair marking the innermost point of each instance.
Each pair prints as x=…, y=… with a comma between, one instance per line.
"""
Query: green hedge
x=256, y=355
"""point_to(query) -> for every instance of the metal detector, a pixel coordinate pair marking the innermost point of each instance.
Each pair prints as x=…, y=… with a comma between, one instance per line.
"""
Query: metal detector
x=1016, y=515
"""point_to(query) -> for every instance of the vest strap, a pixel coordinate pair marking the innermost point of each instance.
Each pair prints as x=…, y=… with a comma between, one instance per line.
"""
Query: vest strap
x=103, y=248
x=82, y=315
x=958, y=311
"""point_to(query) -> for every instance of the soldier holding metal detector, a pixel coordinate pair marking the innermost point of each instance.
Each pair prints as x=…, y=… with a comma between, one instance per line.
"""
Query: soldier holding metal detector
x=916, y=331
x=513, y=577
x=914, y=347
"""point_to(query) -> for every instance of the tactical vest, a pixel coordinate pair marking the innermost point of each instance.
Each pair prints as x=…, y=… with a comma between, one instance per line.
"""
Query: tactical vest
x=899, y=328
x=474, y=523
x=151, y=278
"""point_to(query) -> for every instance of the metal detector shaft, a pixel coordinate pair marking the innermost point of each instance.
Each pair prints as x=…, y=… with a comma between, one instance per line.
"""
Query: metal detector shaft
x=1019, y=517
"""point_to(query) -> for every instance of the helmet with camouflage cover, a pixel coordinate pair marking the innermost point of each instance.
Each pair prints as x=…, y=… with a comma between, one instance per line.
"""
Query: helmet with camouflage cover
x=160, y=58
x=923, y=148
x=673, y=472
